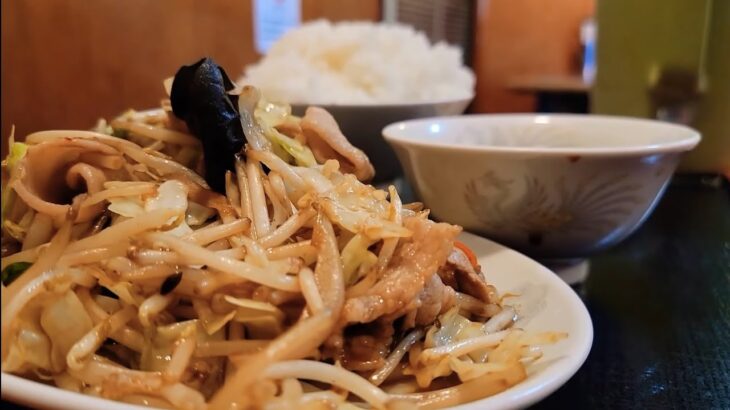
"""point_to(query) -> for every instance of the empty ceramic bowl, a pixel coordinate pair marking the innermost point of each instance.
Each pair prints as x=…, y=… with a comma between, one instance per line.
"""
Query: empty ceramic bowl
x=553, y=186
x=362, y=124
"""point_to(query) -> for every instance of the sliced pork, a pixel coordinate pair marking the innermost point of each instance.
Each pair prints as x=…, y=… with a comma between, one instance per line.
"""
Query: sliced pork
x=327, y=142
x=459, y=273
x=413, y=264
x=435, y=299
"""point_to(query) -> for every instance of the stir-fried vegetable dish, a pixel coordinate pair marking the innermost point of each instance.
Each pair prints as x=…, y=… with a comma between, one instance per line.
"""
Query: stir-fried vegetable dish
x=223, y=253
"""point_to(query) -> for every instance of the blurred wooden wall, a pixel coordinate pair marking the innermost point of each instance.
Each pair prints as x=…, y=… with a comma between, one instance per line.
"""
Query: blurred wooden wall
x=524, y=37
x=66, y=63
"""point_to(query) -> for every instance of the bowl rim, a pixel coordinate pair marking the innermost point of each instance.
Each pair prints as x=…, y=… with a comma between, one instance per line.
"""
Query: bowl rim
x=687, y=143
x=414, y=104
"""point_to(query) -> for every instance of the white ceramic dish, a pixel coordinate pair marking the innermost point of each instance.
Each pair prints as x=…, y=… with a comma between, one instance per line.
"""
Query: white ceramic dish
x=547, y=304
x=552, y=186
x=363, y=123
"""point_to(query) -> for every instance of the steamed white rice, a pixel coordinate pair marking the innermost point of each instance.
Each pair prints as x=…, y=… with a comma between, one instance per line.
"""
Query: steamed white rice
x=360, y=63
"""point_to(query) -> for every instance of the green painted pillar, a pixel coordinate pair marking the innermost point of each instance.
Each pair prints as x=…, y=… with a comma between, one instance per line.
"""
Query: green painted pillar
x=639, y=42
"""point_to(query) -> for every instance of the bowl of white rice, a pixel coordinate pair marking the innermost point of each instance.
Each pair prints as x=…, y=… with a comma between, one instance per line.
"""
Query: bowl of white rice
x=367, y=75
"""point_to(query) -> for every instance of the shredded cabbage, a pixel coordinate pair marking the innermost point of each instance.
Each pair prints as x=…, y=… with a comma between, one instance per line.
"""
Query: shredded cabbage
x=160, y=343
x=248, y=99
x=124, y=290
x=452, y=324
x=127, y=206
x=426, y=373
x=354, y=255
x=253, y=308
x=301, y=154
x=65, y=321
x=468, y=370
x=15, y=230
x=170, y=195
x=269, y=115
x=452, y=328
x=361, y=209
x=263, y=327
x=31, y=347
x=103, y=127
x=16, y=154
x=198, y=214
x=263, y=320
x=158, y=351
x=210, y=321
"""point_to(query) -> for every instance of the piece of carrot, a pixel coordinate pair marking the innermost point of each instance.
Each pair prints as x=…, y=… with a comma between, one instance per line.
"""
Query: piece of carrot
x=468, y=252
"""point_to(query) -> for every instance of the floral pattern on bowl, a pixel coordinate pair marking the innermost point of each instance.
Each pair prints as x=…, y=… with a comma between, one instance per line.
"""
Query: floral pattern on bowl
x=591, y=206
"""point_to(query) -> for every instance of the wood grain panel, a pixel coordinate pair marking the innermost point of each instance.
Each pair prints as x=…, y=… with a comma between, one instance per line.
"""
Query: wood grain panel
x=523, y=37
x=341, y=10
x=65, y=63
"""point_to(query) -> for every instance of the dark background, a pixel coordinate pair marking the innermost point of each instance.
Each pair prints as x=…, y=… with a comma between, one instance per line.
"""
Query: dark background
x=660, y=304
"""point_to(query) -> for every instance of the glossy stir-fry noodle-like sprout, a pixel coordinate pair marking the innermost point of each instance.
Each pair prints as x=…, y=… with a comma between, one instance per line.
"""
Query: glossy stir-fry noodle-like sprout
x=125, y=276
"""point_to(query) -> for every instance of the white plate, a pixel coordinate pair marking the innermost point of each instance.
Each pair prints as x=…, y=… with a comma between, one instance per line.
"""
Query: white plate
x=548, y=304
x=546, y=301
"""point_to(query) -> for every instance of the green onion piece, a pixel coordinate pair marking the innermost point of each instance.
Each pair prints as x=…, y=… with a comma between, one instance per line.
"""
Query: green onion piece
x=13, y=271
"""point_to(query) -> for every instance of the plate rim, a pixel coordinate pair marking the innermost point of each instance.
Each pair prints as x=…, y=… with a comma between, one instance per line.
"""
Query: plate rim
x=531, y=391
x=28, y=392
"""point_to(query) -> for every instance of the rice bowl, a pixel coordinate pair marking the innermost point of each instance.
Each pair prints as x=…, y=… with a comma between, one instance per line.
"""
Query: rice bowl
x=360, y=63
